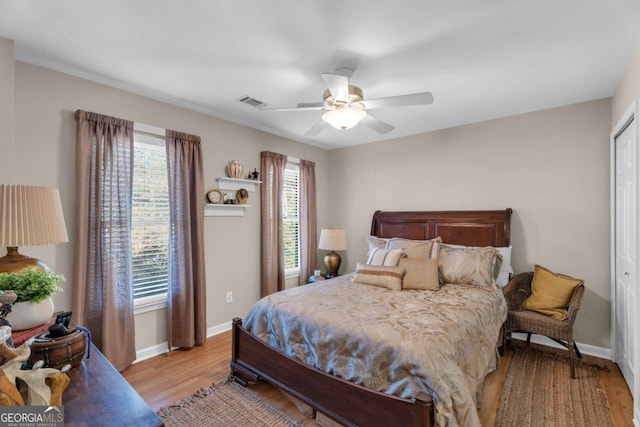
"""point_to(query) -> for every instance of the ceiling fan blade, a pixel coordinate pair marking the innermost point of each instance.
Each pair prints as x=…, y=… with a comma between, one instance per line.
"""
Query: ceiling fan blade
x=424, y=98
x=376, y=124
x=317, y=128
x=338, y=86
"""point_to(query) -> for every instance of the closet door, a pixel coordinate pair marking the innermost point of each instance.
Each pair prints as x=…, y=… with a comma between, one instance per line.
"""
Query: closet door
x=625, y=150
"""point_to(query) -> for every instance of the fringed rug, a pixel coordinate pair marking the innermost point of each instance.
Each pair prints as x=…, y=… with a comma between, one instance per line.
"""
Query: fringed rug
x=225, y=405
x=538, y=391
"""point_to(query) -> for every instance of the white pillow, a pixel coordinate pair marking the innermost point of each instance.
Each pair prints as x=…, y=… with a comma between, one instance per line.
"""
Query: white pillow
x=506, y=269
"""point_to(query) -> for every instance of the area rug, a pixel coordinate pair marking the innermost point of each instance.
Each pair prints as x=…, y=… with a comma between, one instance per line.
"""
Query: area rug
x=225, y=405
x=538, y=391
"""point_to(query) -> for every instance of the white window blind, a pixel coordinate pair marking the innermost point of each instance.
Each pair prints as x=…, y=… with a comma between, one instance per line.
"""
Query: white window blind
x=290, y=222
x=150, y=217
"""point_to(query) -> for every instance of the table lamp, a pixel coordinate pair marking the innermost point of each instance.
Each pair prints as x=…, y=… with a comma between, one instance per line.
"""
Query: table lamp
x=29, y=216
x=332, y=239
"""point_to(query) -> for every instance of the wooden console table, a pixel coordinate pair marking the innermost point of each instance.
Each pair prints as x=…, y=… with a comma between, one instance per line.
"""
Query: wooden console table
x=99, y=395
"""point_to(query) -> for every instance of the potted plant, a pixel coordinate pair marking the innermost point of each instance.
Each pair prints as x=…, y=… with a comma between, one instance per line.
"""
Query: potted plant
x=34, y=288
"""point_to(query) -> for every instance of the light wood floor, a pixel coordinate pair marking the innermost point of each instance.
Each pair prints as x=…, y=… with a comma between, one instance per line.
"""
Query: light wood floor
x=171, y=377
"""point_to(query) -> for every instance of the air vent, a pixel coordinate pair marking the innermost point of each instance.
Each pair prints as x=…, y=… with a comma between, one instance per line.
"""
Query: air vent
x=251, y=101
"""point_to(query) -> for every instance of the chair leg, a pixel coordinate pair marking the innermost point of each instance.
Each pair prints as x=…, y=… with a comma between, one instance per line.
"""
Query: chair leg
x=528, y=338
x=575, y=347
x=572, y=361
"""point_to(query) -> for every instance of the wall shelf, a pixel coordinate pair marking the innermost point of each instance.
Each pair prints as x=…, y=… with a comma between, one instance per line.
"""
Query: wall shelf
x=234, y=184
x=224, y=210
x=230, y=186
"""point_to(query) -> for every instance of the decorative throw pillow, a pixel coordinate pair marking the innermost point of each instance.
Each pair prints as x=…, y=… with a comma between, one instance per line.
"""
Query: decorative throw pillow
x=386, y=258
x=374, y=242
x=468, y=266
x=416, y=248
x=550, y=293
x=502, y=270
x=420, y=273
x=385, y=277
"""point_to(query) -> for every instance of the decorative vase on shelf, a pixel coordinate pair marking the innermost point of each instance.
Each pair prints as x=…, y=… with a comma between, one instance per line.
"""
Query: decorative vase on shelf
x=234, y=169
x=27, y=315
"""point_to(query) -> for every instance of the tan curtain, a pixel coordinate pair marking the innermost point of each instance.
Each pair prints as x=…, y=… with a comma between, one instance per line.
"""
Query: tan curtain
x=272, y=170
x=186, y=300
x=308, y=220
x=102, y=298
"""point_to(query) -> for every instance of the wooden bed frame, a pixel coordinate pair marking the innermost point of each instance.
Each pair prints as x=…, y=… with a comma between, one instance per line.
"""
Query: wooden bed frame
x=345, y=402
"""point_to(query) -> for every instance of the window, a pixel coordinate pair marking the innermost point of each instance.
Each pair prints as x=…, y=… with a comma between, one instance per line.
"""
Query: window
x=290, y=219
x=150, y=220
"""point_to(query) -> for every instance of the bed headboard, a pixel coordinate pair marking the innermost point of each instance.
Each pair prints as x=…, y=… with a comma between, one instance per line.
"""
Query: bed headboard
x=470, y=228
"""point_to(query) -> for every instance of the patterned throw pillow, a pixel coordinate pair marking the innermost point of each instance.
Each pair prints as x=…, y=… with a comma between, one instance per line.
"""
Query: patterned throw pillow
x=468, y=266
x=420, y=273
x=386, y=277
x=386, y=258
x=416, y=248
x=550, y=293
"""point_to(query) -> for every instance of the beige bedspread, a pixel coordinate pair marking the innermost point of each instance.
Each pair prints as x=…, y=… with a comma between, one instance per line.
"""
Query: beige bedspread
x=398, y=342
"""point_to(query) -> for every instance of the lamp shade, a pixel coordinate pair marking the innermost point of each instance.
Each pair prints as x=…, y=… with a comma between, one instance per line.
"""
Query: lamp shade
x=332, y=239
x=30, y=216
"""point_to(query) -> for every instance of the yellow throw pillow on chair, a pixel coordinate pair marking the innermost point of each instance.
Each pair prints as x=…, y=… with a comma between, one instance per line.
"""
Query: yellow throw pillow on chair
x=550, y=293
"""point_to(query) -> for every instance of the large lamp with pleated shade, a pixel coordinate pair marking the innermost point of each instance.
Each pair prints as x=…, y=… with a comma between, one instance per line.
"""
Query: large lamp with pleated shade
x=332, y=239
x=29, y=216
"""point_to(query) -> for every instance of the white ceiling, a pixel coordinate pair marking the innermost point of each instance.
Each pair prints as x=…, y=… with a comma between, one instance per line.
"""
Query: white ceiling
x=479, y=59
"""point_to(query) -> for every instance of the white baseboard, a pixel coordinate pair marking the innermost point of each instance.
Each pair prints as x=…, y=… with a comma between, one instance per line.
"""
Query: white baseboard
x=158, y=349
x=591, y=350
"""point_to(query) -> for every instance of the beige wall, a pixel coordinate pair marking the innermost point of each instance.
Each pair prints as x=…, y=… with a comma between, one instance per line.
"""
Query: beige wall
x=551, y=167
x=7, y=108
x=45, y=155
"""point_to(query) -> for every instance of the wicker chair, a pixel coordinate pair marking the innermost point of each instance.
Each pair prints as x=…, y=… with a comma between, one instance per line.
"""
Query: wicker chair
x=517, y=290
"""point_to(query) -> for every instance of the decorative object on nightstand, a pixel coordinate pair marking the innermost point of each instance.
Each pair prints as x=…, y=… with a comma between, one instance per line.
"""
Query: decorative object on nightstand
x=332, y=239
x=234, y=169
x=29, y=216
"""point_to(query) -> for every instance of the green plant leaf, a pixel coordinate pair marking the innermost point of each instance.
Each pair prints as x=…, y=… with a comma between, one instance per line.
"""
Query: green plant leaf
x=31, y=284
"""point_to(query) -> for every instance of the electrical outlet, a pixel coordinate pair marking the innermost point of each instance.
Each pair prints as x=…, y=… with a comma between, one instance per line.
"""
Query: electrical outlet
x=229, y=297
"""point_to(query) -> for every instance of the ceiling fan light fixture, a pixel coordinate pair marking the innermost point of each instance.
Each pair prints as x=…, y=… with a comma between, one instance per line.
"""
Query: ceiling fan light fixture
x=344, y=118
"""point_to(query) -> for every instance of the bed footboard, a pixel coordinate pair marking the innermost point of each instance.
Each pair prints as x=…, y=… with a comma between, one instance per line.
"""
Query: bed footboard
x=345, y=402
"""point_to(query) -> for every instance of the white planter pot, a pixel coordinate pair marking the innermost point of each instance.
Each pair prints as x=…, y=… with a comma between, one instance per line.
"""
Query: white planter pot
x=27, y=315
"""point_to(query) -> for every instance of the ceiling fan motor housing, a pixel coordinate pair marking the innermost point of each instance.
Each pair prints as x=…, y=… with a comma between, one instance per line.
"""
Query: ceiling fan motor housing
x=355, y=96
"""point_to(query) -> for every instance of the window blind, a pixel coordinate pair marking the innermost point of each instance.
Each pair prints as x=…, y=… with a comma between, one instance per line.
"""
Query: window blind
x=150, y=220
x=290, y=221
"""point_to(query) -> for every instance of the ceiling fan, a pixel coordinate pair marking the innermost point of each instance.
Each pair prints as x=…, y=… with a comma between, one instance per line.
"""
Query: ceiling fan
x=344, y=105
